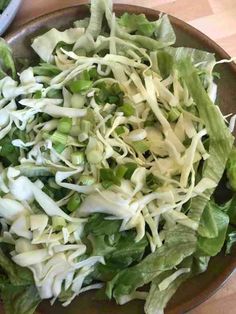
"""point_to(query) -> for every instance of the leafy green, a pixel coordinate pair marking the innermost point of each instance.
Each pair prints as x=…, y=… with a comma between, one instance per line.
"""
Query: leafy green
x=180, y=243
x=231, y=169
x=208, y=227
x=163, y=34
x=98, y=225
x=16, y=274
x=230, y=241
x=20, y=299
x=46, y=69
x=157, y=299
x=230, y=209
x=17, y=292
x=210, y=246
x=220, y=143
x=6, y=59
x=200, y=264
x=137, y=23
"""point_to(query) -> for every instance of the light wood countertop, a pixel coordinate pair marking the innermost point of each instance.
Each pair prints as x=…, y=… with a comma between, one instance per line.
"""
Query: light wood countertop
x=215, y=18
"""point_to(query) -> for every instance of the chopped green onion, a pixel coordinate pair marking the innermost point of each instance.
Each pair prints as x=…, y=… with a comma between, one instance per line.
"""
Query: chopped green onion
x=120, y=130
x=127, y=109
x=59, y=138
x=131, y=167
x=121, y=171
x=85, y=75
x=107, y=184
x=173, y=114
x=87, y=180
x=64, y=125
x=77, y=101
x=77, y=158
x=107, y=176
x=152, y=181
x=58, y=223
x=140, y=146
x=79, y=86
x=37, y=95
x=59, y=148
x=54, y=93
x=93, y=74
x=74, y=202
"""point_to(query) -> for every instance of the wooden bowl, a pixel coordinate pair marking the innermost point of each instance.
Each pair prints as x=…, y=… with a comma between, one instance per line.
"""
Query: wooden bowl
x=198, y=289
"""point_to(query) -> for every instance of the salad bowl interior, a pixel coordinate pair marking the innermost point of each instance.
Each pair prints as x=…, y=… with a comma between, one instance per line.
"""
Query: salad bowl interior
x=198, y=289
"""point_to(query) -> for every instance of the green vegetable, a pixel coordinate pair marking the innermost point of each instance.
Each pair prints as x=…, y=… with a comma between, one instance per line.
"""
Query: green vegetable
x=74, y=202
x=115, y=144
x=231, y=169
x=98, y=225
x=59, y=138
x=130, y=169
x=77, y=158
x=230, y=241
x=79, y=86
x=20, y=299
x=127, y=109
x=7, y=62
x=108, y=177
x=46, y=69
x=216, y=234
x=64, y=125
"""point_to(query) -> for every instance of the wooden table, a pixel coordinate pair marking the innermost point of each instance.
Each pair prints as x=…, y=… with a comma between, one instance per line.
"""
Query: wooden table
x=217, y=19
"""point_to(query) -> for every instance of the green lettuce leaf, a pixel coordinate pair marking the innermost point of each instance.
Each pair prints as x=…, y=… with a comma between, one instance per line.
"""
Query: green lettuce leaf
x=210, y=246
x=137, y=23
x=208, y=226
x=18, y=276
x=46, y=69
x=231, y=169
x=6, y=59
x=98, y=225
x=220, y=143
x=180, y=243
x=157, y=299
x=230, y=241
x=163, y=34
x=20, y=299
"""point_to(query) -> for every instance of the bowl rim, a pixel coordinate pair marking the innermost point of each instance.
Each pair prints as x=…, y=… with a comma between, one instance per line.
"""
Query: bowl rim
x=8, y=14
x=222, y=278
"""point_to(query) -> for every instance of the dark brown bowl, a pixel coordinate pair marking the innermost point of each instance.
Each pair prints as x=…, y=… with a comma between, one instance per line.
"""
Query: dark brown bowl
x=196, y=290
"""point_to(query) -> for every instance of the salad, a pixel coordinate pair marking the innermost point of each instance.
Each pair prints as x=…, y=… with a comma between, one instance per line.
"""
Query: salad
x=112, y=150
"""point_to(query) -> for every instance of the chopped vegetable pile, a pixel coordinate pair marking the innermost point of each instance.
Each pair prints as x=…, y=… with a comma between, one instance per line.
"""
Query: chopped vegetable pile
x=111, y=149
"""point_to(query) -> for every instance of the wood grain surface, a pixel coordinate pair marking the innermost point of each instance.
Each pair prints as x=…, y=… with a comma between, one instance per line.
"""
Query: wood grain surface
x=215, y=18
